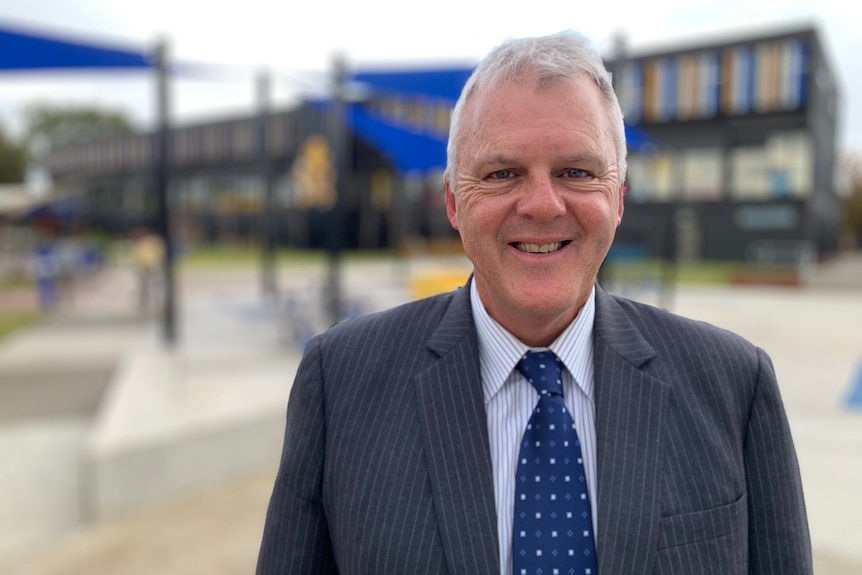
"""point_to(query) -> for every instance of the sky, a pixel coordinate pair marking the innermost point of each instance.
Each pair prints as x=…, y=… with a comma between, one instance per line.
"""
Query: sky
x=297, y=41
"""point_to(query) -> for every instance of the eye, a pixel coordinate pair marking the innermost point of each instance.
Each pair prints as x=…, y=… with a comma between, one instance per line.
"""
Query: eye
x=501, y=175
x=575, y=173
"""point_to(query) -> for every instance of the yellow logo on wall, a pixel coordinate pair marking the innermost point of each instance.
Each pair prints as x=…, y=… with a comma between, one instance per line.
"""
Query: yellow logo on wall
x=314, y=175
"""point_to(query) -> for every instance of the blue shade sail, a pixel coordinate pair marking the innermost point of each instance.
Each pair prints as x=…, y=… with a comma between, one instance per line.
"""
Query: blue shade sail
x=25, y=50
x=417, y=147
x=415, y=144
x=443, y=83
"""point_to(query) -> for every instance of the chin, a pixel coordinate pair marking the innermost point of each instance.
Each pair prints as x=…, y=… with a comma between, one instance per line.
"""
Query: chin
x=557, y=294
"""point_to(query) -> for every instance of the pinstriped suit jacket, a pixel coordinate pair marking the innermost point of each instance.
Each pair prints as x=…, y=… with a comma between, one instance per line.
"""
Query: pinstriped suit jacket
x=386, y=466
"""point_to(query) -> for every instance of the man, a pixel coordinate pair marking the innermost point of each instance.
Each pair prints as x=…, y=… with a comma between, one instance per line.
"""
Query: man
x=408, y=439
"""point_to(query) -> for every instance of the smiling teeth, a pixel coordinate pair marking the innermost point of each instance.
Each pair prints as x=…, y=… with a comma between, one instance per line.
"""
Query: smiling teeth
x=539, y=249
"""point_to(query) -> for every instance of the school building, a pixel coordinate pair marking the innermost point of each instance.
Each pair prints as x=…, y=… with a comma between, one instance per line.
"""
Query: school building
x=732, y=146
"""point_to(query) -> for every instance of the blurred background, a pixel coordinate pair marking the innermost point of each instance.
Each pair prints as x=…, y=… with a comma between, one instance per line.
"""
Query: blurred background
x=188, y=193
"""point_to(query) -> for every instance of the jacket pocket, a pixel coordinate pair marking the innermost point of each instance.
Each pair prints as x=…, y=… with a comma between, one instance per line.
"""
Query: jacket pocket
x=714, y=523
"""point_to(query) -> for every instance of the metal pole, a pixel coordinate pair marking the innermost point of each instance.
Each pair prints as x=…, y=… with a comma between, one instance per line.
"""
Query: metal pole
x=269, y=279
x=338, y=137
x=169, y=331
x=604, y=274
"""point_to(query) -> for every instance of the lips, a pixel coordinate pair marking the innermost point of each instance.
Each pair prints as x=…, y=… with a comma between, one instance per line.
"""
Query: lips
x=539, y=248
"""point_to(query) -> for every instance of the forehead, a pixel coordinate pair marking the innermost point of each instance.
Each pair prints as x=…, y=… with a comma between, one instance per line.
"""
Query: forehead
x=510, y=110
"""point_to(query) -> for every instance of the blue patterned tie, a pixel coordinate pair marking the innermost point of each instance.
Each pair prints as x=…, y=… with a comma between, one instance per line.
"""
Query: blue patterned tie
x=553, y=529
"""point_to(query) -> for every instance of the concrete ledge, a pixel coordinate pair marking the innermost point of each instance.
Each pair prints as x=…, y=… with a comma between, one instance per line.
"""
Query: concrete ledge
x=170, y=424
x=40, y=481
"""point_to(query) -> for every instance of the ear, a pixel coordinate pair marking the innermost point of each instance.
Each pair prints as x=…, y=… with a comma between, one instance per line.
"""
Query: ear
x=451, y=205
x=624, y=189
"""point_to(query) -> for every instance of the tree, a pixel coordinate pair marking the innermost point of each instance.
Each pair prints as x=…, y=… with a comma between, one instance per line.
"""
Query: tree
x=13, y=160
x=49, y=125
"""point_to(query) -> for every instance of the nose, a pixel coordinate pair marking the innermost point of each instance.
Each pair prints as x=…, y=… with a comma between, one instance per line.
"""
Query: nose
x=541, y=200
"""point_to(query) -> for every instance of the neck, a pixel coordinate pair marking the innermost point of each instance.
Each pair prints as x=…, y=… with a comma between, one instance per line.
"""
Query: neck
x=537, y=331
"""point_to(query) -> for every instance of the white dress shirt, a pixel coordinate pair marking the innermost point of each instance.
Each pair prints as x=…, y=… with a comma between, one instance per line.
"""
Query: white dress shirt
x=510, y=400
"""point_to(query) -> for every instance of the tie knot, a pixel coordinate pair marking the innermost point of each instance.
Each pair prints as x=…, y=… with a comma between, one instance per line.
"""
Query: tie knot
x=543, y=370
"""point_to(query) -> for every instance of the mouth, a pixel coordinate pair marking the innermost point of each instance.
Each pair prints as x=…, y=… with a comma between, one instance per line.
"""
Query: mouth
x=540, y=248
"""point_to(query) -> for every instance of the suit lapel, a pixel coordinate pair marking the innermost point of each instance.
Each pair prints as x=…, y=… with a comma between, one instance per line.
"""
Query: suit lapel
x=630, y=406
x=452, y=414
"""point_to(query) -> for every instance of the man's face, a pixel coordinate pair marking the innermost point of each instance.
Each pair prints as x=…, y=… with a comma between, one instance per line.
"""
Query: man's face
x=538, y=200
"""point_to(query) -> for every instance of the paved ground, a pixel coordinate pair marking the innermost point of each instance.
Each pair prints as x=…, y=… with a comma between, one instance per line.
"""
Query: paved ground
x=814, y=335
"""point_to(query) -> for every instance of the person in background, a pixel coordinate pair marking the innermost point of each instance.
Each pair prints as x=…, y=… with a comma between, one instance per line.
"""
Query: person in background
x=148, y=253
x=530, y=422
x=45, y=266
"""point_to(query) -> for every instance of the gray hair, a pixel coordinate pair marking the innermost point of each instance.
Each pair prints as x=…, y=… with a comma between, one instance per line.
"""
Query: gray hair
x=549, y=59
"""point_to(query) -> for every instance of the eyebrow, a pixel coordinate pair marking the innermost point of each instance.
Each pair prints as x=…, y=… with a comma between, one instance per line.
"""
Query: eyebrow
x=587, y=158
x=485, y=164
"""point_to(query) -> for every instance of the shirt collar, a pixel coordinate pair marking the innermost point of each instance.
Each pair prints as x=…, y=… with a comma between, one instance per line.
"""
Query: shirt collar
x=500, y=351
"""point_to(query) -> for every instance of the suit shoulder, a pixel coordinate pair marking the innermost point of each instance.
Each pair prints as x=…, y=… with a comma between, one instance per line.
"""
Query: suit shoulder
x=412, y=320
x=679, y=332
x=710, y=366
x=374, y=345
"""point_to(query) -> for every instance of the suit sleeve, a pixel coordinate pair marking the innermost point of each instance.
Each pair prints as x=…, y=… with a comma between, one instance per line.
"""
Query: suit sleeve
x=778, y=527
x=296, y=536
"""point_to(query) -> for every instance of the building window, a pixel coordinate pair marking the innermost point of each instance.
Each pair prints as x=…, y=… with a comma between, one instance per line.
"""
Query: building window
x=765, y=77
x=701, y=173
x=242, y=139
x=442, y=117
x=791, y=164
x=650, y=177
x=182, y=146
x=782, y=168
x=737, y=81
x=749, y=167
x=632, y=92
x=275, y=133
x=782, y=72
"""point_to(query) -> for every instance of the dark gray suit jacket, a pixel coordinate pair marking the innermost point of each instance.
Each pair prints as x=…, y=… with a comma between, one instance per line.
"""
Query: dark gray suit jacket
x=386, y=466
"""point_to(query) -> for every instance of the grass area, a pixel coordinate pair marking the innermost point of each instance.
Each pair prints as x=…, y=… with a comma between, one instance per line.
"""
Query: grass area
x=228, y=256
x=704, y=272
x=206, y=257
x=15, y=282
x=701, y=272
x=12, y=317
x=11, y=321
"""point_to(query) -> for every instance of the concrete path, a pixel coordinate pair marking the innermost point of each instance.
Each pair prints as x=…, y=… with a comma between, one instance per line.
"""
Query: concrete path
x=52, y=379
x=814, y=335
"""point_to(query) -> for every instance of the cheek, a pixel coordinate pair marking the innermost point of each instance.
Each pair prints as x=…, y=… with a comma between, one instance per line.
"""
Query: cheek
x=480, y=230
x=600, y=206
x=472, y=212
x=487, y=219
